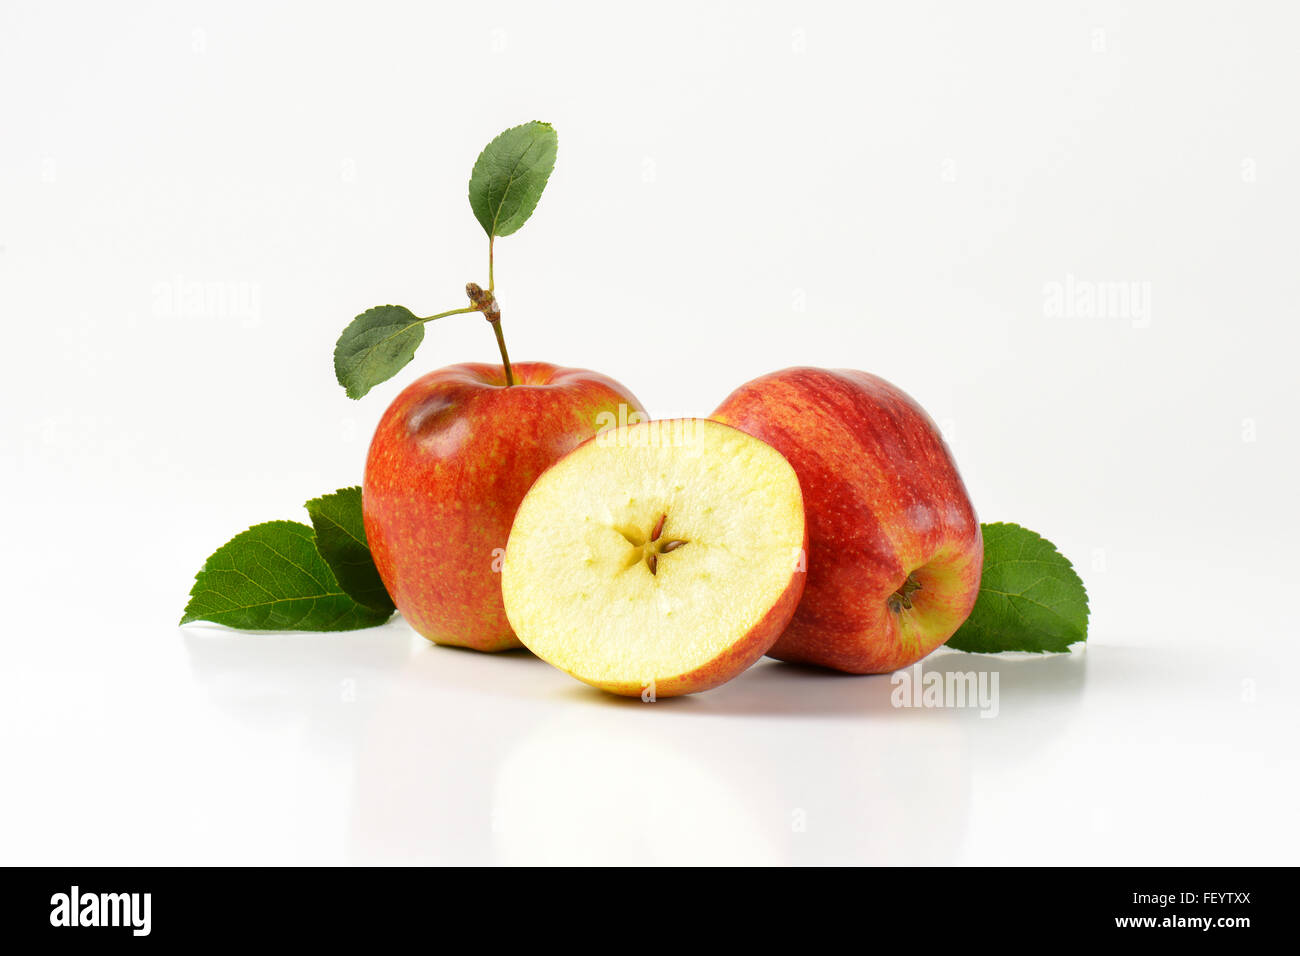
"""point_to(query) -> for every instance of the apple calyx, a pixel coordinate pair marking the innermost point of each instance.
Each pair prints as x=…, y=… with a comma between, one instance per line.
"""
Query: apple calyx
x=901, y=599
x=651, y=546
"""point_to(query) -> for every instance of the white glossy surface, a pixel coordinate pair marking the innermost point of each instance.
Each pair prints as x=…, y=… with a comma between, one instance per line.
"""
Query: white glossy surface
x=377, y=747
x=196, y=199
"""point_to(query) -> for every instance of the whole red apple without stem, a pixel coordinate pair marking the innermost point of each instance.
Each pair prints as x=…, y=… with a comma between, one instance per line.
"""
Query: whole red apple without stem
x=894, y=548
x=450, y=461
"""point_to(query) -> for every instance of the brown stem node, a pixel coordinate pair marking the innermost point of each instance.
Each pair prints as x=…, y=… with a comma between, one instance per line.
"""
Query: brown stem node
x=483, y=300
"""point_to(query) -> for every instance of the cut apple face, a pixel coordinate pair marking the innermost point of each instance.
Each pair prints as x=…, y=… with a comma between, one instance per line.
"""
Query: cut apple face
x=657, y=559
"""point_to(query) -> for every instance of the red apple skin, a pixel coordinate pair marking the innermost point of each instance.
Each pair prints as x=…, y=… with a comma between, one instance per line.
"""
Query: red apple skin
x=450, y=461
x=883, y=499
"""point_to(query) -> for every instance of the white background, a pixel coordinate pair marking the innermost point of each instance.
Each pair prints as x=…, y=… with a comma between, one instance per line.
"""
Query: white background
x=195, y=198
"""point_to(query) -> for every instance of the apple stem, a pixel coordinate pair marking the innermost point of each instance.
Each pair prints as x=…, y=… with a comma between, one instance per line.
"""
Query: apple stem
x=501, y=344
x=486, y=302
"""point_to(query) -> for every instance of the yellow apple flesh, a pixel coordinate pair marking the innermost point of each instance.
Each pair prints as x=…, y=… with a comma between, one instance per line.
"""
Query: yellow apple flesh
x=657, y=559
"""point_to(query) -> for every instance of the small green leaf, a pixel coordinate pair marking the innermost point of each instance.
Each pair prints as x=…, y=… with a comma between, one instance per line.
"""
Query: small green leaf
x=341, y=541
x=375, y=346
x=1030, y=597
x=509, y=177
x=271, y=578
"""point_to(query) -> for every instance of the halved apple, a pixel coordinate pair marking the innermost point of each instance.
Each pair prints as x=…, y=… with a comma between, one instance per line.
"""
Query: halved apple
x=659, y=558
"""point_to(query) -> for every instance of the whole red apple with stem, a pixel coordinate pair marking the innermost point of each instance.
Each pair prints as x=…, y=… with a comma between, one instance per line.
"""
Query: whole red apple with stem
x=450, y=461
x=894, y=547
x=456, y=451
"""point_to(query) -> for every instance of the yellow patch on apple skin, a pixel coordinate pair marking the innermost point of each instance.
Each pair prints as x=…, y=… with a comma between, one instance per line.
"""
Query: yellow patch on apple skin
x=581, y=594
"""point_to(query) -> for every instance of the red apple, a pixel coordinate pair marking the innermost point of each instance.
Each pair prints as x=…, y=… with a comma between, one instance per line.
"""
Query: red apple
x=894, y=548
x=450, y=461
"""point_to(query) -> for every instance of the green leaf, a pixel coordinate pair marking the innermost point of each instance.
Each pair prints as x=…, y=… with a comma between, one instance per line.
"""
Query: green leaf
x=1030, y=597
x=509, y=177
x=376, y=346
x=341, y=541
x=271, y=578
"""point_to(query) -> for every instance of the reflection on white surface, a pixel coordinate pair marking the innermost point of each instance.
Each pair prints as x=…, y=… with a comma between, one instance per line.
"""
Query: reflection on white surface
x=376, y=747
x=579, y=776
x=573, y=791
